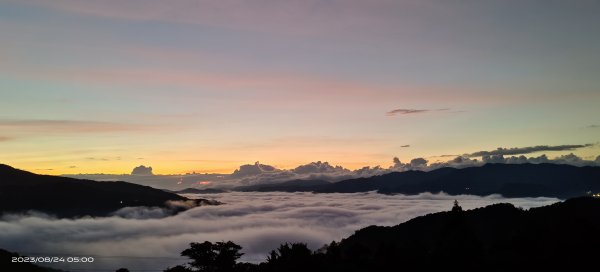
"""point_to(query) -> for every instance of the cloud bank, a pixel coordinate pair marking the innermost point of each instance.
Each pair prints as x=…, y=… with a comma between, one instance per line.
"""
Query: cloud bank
x=261, y=173
x=527, y=150
x=257, y=221
x=258, y=173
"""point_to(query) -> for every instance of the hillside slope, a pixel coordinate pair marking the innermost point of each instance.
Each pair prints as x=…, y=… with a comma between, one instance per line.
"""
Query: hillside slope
x=21, y=191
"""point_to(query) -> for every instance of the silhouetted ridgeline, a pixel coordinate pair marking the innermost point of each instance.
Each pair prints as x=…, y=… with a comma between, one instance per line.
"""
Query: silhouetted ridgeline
x=510, y=180
x=21, y=191
x=494, y=238
x=560, y=237
x=292, y=185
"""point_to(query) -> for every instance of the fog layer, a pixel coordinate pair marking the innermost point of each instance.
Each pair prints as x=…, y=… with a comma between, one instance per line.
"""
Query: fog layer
x=259, y=222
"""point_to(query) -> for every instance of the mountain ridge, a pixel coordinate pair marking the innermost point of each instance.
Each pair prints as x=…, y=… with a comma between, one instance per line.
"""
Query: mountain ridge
x=509, y=180
x=22, y=191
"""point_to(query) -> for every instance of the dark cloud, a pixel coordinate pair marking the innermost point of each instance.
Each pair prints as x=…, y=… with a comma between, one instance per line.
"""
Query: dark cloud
x=405, y=146
x=369, y=171
x=463, y=161
x=493, y=159
x=593, y=126
x=253, y=169
x=526, y=150
x=257, y=221
x=457, y=162
x=414, y=111
x=540, y=159
x=318, y=167
x=418, y=162
x=414, y=164
x=570, y=159
x=404, y=111
x=142, y=171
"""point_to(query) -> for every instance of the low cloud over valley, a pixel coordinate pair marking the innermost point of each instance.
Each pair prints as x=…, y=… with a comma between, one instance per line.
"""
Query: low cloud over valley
x=137, y=239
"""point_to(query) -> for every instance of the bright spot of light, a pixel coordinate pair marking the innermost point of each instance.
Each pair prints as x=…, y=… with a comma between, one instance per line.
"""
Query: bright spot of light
x=203, y=182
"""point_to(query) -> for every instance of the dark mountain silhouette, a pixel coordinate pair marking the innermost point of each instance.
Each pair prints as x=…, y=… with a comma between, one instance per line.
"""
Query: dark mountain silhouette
x=560, y=237
x=509, y=180
x=498, y=237
x=22, y=191
x=297, y=184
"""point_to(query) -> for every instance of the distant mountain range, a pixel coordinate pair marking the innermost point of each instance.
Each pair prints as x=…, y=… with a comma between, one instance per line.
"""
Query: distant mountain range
x=22, y=191
x=67, y=197
x=509, y=180
x=292, y=185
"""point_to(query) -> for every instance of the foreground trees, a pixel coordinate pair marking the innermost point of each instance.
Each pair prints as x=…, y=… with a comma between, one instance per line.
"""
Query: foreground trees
x=209, y=257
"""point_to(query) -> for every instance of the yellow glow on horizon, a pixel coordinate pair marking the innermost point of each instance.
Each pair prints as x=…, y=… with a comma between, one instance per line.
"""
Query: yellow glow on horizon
x=217, y=160
x=169, y=167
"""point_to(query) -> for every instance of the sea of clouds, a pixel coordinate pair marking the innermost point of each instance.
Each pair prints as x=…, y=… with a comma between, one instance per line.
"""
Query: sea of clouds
x=142, y=239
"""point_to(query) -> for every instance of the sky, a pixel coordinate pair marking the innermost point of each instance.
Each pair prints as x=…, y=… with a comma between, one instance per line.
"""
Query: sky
x=207, y=86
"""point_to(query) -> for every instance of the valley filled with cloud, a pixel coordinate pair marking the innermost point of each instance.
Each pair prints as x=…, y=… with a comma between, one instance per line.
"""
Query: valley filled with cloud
x=144, y=239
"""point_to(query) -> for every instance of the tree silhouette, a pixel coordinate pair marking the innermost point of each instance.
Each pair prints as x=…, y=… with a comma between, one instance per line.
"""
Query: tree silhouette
x=290, y=252
x=179, y=268
x=456, y=245
x=122, y=270
x=456, y=207
x=209, y=257
x=290, y=257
